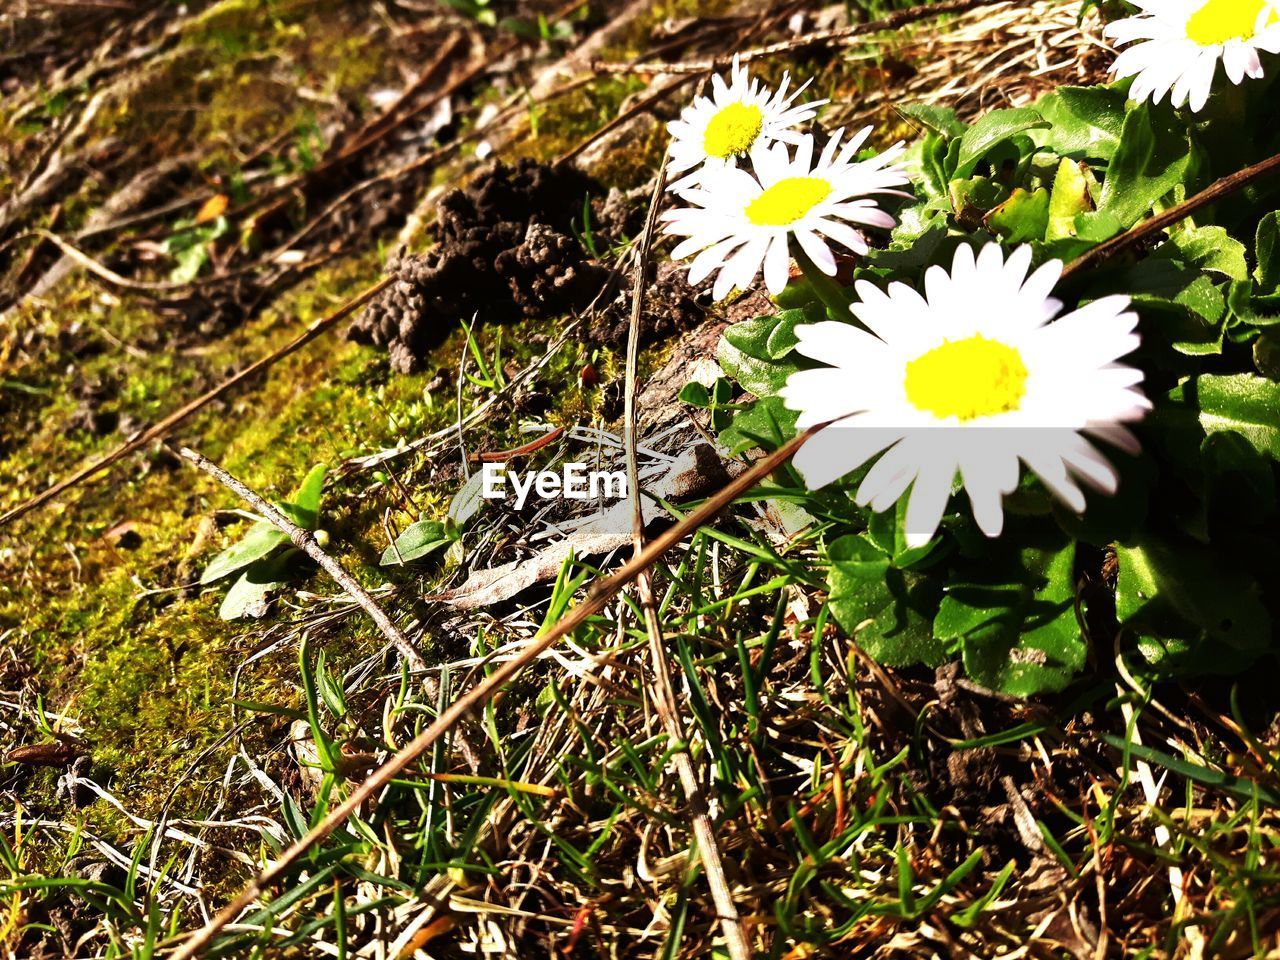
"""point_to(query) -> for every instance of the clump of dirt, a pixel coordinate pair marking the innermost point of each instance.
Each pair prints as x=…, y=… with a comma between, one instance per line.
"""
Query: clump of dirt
x=670, y=305
x=504, y=250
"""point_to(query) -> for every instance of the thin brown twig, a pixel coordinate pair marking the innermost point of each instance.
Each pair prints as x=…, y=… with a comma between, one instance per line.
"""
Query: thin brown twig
x=1135, y=235
x=665, y=699
x=115, y=279
x=602, y=591
x=502, y=456
x=395, y=115
x=305, y=541
x=164, y=426
x=843, y=36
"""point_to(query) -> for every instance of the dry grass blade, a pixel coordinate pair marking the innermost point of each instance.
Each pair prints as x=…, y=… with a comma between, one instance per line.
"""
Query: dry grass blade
x=667, y=707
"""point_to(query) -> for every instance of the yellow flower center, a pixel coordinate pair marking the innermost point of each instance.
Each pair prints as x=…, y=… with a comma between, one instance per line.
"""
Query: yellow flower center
x=1221, y=20
x=787, y=201
x=733, y=130
x=969, y=378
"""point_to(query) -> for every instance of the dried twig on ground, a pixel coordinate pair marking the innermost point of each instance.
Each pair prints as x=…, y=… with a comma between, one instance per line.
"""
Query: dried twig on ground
x=305, y=541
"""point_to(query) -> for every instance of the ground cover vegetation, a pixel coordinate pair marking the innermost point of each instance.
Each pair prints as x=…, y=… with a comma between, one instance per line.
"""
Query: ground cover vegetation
x=940, y=339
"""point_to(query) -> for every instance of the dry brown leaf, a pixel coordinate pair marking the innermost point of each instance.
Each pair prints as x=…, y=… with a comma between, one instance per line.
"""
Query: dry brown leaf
x=697, y=470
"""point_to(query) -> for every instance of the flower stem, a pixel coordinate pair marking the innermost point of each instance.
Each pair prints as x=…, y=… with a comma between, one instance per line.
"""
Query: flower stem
x=833, y=296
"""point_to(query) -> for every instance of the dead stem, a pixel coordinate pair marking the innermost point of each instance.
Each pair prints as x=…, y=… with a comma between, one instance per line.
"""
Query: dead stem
x=305, y=541
x=667, y=708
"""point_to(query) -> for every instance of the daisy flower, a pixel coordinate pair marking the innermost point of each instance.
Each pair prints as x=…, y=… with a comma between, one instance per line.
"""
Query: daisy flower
x=714, y=132
x=741, y=221
x=974, y=377
x=1181, y=42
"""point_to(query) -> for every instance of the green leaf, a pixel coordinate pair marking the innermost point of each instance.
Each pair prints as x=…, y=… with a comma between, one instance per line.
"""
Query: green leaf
x=1239, y=481
x=941, y=120
x=1267, y=249
x=695, y=395
x=990, y=131
x=1193, y=309
x=1190, y=607
x=1208, y=248
x=418, y=540
x=886, y=610
x=1022, y=218
x=887, y=530
x=1083, y=121
x=973, y=199
x=1097, y=226
x=915, y=242
x=304, y=508
x=1241, y=402
x=767, y=424
x=307, y=496
x=929, y=155
x=770, y=337
x=752, y=351
x=261, y=540
x=188, y=263
x=1256, y=311
x=1154, y=157
x=1069, y=199
x=249, y=591
x=1016, y=627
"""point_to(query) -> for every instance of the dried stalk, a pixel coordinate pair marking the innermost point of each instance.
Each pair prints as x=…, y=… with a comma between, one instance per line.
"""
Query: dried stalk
x=668, y=710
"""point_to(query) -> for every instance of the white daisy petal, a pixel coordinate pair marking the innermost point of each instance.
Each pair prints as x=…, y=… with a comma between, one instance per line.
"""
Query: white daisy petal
x=817, y=251
x=838, y=450
x=836, y=343
x=929, y=496
x=1177, y=45
x=988, y=480
x=787, y=195
x=974, y=379
x=777, y=265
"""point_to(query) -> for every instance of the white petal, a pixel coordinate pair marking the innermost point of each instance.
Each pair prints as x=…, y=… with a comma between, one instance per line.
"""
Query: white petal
x=777, y=266
x=839, y=344
x=838, y=450
x=817, y=251
x=929, y=497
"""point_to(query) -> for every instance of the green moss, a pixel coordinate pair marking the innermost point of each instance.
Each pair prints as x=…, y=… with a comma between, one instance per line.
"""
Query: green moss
x=111, y=635
x=240, y=66
x=114, y=641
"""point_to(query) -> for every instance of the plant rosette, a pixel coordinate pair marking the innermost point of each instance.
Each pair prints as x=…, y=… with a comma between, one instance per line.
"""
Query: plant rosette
x=1149, y=501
